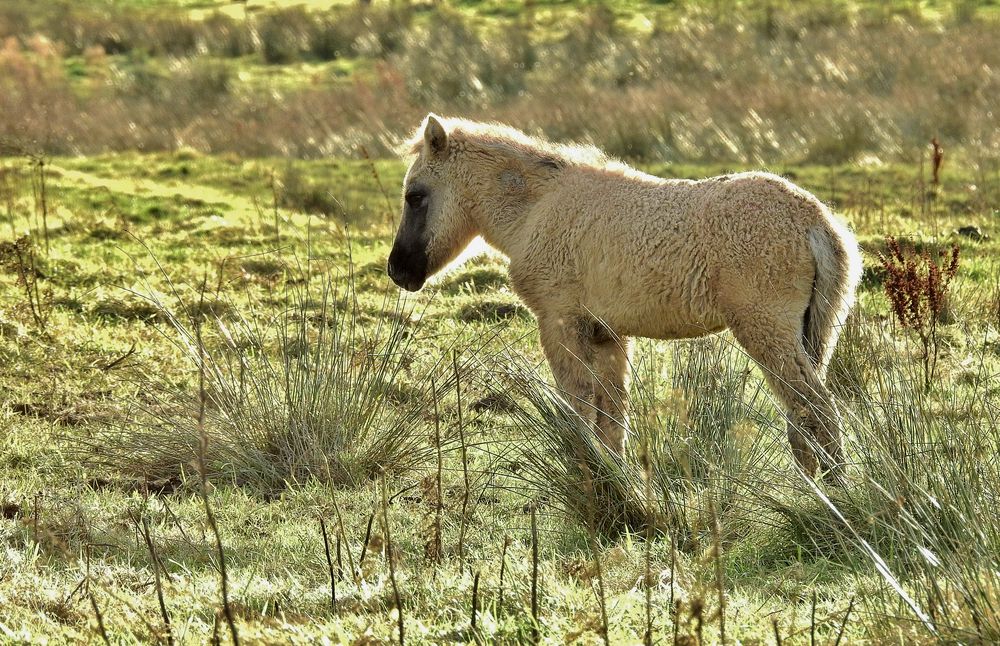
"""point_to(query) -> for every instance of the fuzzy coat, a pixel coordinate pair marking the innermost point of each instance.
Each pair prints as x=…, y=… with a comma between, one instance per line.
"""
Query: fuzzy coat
x=601, y=252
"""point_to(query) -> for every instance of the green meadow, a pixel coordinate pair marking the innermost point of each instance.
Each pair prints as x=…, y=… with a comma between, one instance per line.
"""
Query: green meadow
x=220, y=421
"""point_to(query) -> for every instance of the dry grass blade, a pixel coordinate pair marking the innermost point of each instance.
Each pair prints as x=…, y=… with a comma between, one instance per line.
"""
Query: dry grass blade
x=535, y=633
x=203, y=474
x=390, y=559
x=157, y=566
x=329, y=565
x=100, y=619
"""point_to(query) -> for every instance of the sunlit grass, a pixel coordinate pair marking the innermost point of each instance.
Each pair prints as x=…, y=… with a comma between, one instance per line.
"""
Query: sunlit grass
x=716, y=440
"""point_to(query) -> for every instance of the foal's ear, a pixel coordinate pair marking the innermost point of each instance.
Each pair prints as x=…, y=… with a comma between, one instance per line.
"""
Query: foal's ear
x=434, y=136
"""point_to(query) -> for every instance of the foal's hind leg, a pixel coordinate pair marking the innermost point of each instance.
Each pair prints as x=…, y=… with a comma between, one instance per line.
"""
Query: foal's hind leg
x=776, y=345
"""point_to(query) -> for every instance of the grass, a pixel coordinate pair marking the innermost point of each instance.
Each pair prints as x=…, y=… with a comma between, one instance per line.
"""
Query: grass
x=748, y=83
x=113, y=373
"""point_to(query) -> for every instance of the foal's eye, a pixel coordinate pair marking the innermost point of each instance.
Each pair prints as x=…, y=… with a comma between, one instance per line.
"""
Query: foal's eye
x=416, y=199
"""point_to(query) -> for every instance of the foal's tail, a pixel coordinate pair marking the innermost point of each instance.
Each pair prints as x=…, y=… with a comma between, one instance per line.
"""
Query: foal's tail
x=838, y=272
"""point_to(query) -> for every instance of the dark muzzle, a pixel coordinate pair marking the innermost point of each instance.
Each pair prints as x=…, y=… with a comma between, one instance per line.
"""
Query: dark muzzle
x=408, y=267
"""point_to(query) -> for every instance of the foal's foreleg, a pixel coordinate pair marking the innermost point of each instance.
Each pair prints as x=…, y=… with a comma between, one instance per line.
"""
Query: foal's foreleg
x=611, y=371
x=569, y=355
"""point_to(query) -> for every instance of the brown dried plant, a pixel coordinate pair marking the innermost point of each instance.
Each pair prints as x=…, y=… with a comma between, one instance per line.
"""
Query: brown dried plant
x=917, y=284
x=21, y=258
x=937, y=158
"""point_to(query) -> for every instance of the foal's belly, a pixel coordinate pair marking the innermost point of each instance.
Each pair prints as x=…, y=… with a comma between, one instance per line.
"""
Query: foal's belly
x=657, y=295
x=674, y=330
x=654, y=318
x=669, y=328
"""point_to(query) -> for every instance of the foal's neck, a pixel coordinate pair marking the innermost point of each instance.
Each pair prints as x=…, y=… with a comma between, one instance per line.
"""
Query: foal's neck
x=505, y=194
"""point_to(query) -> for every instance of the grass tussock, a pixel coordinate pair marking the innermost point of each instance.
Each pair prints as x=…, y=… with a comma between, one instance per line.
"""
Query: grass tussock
x=690, y=437
x=566, y=461
x=919, y=509
x=310, y=392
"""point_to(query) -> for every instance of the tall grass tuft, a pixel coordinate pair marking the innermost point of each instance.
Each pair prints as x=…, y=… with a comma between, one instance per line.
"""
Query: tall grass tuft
x=689, y=430
x=705, y=416
x=313, y=390
x=563, y=457
x=922, y=510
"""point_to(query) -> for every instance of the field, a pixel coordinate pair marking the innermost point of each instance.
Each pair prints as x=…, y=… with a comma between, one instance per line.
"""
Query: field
x=220, y=421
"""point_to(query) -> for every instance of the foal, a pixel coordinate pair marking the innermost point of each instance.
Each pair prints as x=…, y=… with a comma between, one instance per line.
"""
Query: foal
x=601, y=252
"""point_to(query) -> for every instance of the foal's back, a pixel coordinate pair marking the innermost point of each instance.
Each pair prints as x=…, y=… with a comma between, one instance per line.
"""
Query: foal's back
x=661, y=258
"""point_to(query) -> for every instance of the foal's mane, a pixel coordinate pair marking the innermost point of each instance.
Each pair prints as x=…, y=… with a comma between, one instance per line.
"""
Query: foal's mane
x=498, y=137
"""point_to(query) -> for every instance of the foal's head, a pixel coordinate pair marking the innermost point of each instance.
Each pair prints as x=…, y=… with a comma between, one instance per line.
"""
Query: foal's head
x=435, y=226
